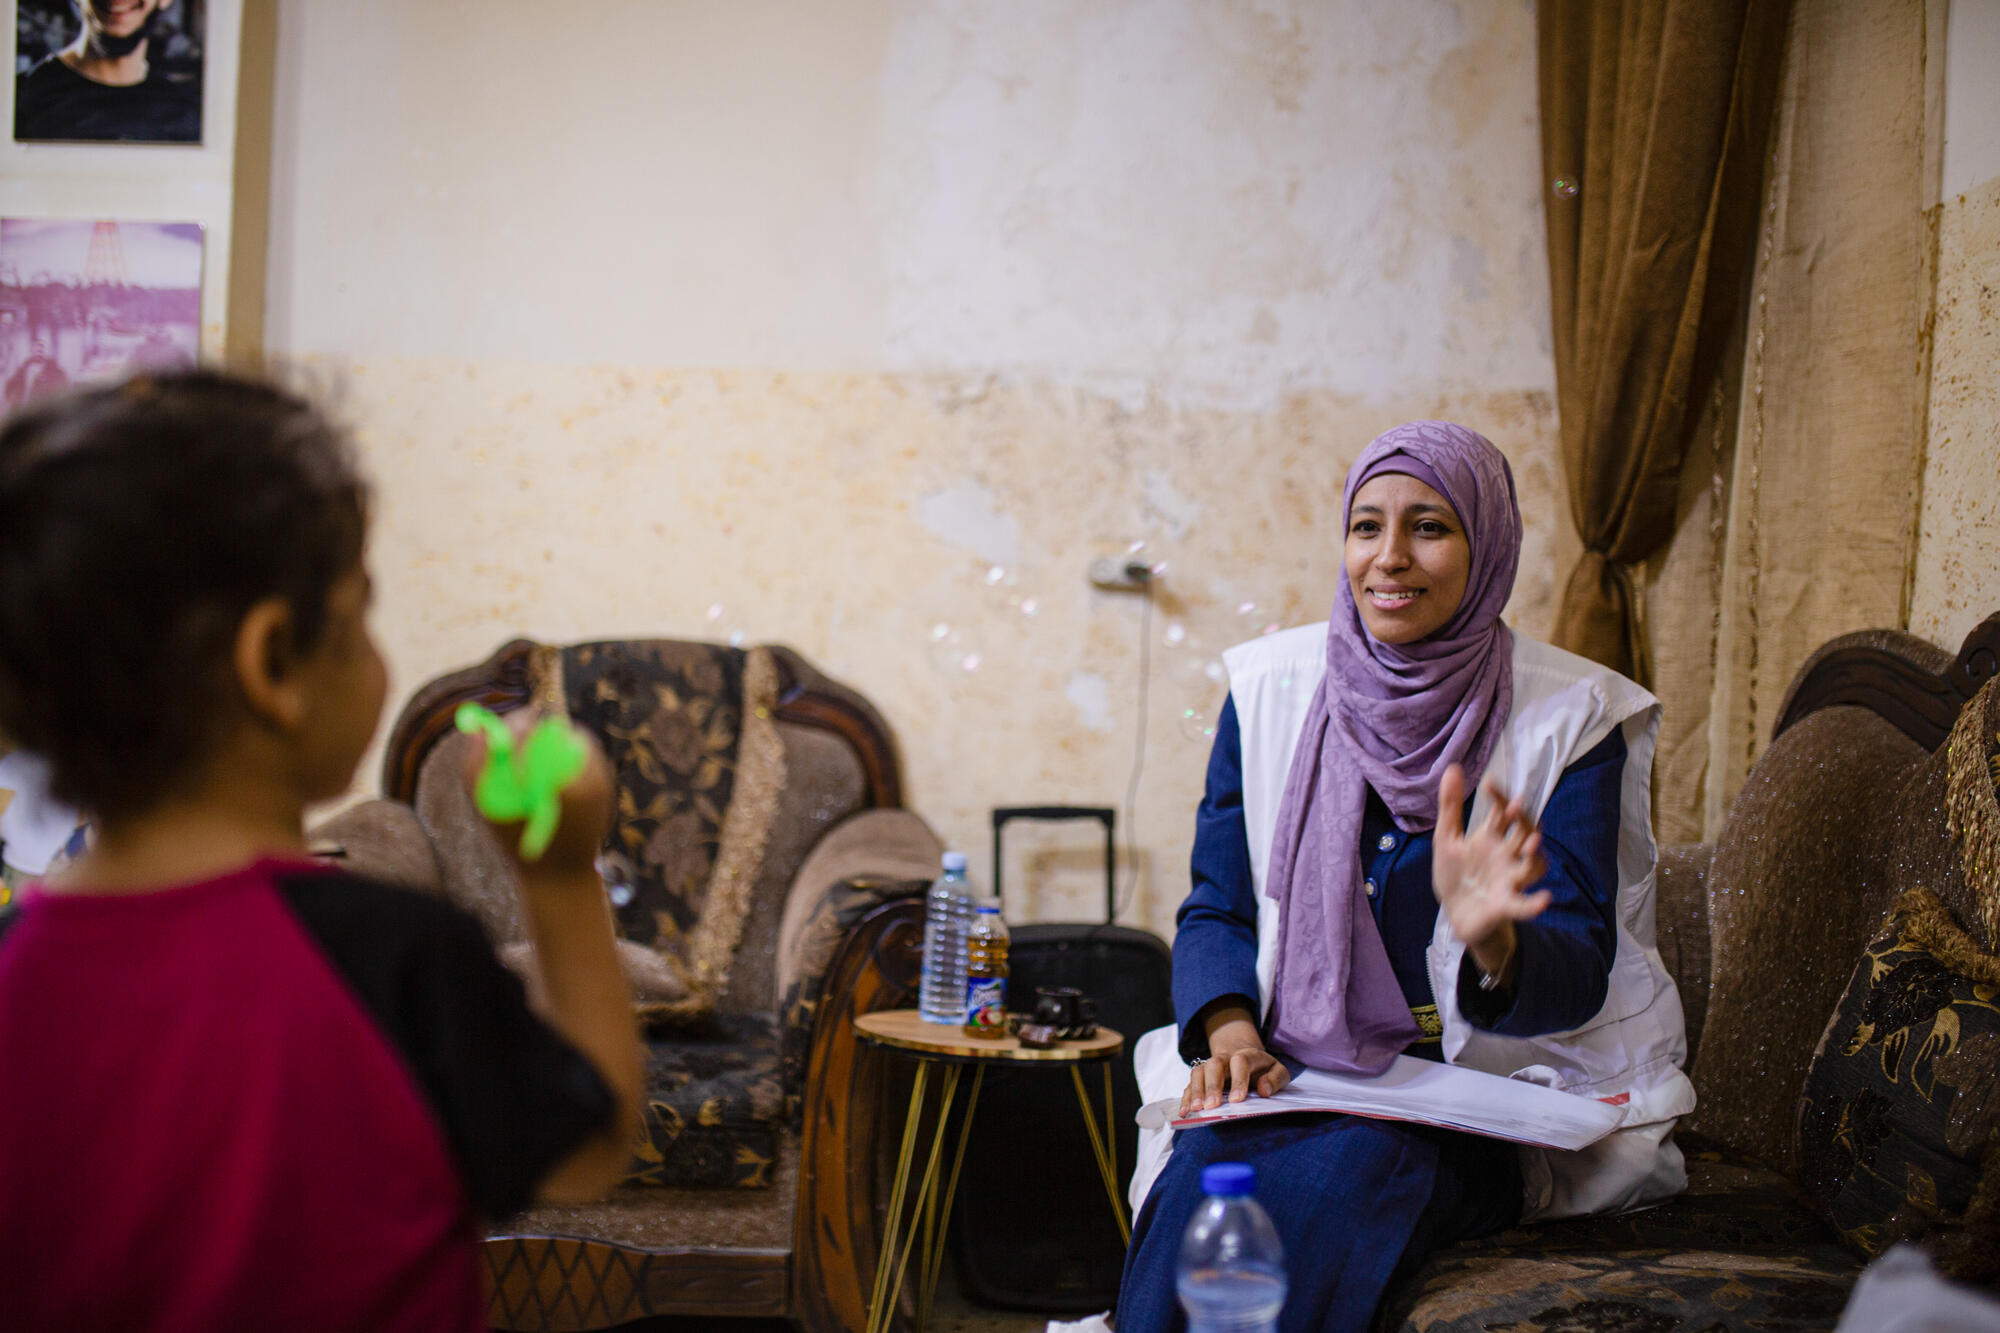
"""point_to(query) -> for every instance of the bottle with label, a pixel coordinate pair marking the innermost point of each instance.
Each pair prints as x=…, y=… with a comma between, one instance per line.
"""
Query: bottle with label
x=947, y=917
x=1231, y=1275
x=986, y=973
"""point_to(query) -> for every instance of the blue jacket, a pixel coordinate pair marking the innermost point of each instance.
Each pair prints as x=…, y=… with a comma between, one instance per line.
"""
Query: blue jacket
x=1565, y=953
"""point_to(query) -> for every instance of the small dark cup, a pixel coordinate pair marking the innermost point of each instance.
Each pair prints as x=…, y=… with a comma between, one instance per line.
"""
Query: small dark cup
x=1066, y=1009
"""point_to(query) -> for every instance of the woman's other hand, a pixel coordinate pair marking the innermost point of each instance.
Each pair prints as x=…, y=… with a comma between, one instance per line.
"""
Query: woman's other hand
x=1481, y=875
x=1237, y=1064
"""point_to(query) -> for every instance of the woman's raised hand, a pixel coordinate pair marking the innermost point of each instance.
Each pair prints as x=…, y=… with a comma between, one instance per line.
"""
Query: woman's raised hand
x=1481, y=875
x=1237, y=1064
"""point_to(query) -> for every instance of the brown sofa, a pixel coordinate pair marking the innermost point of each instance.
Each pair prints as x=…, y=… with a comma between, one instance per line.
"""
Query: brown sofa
x=767, y=887
x=1834, y=952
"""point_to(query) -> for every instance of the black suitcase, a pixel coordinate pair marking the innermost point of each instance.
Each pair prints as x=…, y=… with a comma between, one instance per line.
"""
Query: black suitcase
x=1032, y=1226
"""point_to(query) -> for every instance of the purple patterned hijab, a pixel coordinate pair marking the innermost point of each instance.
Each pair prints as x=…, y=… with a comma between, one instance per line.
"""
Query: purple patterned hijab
x=1391, y=717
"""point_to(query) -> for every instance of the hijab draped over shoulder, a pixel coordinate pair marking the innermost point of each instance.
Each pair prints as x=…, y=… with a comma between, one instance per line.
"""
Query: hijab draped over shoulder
x=1390, y=717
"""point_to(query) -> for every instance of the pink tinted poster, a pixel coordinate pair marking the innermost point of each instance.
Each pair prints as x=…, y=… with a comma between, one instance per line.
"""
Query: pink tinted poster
x=84, y=301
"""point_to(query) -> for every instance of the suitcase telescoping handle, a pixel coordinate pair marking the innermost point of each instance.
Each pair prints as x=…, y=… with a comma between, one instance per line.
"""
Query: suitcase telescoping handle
x=1103, y=814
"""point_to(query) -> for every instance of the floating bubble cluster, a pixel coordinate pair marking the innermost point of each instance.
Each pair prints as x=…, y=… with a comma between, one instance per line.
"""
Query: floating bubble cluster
x=989, y=621
x=955, y=649
x=1565, y=187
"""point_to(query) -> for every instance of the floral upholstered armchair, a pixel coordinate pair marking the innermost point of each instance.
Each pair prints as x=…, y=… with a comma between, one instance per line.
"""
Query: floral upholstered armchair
x=766, y=887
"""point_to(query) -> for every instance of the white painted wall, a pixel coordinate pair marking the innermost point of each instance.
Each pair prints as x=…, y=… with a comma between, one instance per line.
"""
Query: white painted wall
x=1238, y=200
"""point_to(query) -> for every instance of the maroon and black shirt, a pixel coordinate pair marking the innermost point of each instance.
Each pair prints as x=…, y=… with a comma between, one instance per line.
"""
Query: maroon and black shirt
x=283, y=1098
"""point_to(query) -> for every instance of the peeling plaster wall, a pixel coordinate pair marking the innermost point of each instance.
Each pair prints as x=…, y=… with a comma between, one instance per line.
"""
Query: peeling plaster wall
x=1957, y=582
x=866, y=327
x=1958, y=551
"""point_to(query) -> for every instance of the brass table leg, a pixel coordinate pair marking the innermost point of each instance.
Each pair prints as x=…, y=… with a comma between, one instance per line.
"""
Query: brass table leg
x=882, y=1309
x=877, y=1321
x=1103, y=1144
x=935, y=1257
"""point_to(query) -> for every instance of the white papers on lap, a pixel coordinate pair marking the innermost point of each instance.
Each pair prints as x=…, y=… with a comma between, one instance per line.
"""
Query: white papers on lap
x=1427, y=1093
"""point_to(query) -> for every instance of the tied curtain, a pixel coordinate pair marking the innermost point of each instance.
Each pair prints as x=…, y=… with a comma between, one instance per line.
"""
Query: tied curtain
x=1655, y=118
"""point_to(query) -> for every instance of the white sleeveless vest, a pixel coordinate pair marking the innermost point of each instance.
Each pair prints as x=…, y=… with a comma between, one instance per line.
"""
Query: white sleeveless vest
x=1633, y=1048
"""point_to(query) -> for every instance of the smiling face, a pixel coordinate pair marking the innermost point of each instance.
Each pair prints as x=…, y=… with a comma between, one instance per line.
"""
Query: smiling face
x=1407, y=558
x=120, y=19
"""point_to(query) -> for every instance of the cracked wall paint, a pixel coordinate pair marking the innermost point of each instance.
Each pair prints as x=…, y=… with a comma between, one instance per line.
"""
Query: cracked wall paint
x=964, y=516
x=1090, y=694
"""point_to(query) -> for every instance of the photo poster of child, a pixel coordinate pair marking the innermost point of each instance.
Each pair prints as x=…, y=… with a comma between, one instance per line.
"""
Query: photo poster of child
x=82, y=301
x=108, y=71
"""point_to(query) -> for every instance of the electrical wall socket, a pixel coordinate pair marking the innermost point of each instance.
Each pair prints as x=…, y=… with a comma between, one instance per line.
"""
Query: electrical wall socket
x=1113, y=574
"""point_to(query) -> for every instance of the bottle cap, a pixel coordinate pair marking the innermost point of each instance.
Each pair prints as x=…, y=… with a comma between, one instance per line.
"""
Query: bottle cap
x=1229, y=1179
x=993, y=908
x=954, y=860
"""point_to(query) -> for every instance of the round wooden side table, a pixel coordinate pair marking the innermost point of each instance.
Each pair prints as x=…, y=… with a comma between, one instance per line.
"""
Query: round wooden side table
x=951, y=1052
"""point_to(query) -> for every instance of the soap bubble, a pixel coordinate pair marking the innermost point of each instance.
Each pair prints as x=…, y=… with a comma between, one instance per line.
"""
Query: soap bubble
x=615, y=872
x=955, y=650
x=996, y=575
x=1247, y=610
x=1215, y=671
x=1198, y=722
x=734, y=636
x=1565, y=187
x=1175, y=635
x=1028, y=606
x=1271, y=628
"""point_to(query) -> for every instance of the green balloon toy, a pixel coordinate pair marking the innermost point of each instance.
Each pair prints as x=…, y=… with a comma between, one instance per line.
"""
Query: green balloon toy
x=528, y=784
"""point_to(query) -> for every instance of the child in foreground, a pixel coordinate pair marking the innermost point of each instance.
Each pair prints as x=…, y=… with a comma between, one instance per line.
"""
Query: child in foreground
x=239, y=1090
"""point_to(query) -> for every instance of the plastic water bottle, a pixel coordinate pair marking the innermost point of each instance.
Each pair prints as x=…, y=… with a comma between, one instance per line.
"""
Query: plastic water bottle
x=1231, y=1276
x=947, y=919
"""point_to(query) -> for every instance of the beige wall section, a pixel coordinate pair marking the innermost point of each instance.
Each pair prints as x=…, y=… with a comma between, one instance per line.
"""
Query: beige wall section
x=145, y=182
x=1823, y=500
x=837, y=324
x=1958, y=554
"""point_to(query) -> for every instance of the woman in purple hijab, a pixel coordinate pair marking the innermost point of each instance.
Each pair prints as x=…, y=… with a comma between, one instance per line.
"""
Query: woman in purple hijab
x=1349, y=906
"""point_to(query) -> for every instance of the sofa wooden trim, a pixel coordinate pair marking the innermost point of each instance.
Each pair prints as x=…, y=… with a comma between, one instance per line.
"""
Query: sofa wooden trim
x=835, y=1230
x=1858, y=670
x=547, y=1283
x=502, y=683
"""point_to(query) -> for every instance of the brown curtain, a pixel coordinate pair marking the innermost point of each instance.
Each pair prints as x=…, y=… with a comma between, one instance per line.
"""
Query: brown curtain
x=1655, y=118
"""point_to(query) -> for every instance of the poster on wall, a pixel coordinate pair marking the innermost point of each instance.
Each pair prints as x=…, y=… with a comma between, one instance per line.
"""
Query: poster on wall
x=100, y=71
x=84, y=301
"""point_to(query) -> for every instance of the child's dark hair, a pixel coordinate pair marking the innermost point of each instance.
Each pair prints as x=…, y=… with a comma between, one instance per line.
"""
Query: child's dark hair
x=138, y=524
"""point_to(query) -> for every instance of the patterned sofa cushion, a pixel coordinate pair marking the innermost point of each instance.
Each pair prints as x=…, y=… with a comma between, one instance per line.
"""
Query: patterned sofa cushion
x=691, y=735
x=1739, y=1250
x=1899, y=1125
x=714, y=1106
x=1899, y=1110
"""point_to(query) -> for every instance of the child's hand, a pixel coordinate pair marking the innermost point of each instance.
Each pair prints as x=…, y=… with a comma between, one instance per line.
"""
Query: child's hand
x=586, y=804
